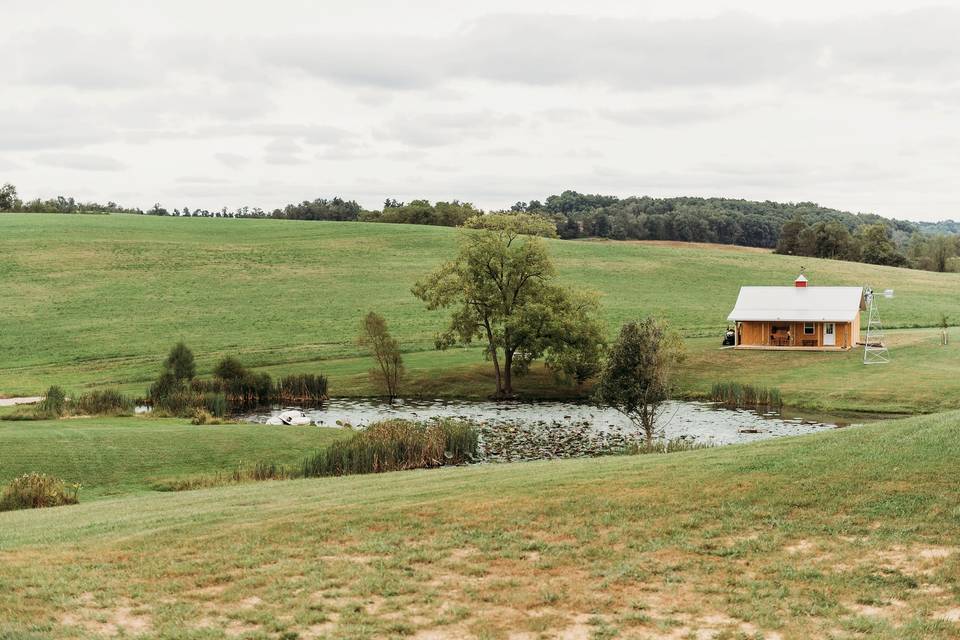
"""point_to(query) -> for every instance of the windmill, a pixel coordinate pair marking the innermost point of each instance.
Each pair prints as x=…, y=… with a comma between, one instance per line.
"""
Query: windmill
x=874, y=348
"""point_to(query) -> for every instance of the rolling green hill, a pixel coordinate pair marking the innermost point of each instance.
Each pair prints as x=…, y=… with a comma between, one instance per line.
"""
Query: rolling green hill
x=91, y=301
x=111, y=456
x=847, y=534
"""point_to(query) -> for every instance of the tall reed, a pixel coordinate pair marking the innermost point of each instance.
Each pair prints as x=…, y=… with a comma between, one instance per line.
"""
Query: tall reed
x=734, y=394
x=394, y=445
x=109, y=402
x=303, y=388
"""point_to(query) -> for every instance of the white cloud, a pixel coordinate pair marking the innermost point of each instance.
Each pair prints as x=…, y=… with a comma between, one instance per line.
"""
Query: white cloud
x=80, y=161
x=852, y=104
x=232, y=160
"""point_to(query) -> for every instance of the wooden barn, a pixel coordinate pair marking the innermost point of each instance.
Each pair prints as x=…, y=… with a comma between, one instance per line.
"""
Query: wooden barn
x=798, y=317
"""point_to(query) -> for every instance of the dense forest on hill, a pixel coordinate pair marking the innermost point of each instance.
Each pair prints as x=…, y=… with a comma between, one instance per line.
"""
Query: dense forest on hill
x=722, y=220
x=802, y=228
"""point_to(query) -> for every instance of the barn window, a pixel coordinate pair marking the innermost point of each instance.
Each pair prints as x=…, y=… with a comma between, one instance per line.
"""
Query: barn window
x=808, y=328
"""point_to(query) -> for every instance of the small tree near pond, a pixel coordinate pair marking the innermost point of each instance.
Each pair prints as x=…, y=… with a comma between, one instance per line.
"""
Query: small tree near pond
x=637, y=377
x=385, y=350
x=502, y=291
x=180, y=363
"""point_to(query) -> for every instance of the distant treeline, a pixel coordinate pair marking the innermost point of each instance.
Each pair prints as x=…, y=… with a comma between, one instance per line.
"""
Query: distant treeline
x=10, y=202
x=803, y=228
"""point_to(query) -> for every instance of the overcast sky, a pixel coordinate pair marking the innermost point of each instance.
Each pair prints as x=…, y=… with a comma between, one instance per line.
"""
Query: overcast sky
x=852, y=104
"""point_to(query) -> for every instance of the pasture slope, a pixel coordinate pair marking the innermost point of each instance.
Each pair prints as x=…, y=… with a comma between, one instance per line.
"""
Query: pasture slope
x=848, y=534
x=94, y=301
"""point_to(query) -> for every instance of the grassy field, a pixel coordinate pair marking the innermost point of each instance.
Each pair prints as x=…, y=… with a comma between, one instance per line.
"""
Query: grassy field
x=112, y=456
x=88, y=301
x=849, y=534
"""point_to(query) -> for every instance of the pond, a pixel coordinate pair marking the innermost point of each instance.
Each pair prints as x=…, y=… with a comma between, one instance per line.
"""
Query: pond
x=528, y=430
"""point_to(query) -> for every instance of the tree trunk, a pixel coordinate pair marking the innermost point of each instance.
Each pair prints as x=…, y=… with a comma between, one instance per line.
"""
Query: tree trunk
x=492, y=350
x=508, y=373
x=648, y=428
x=496, y=370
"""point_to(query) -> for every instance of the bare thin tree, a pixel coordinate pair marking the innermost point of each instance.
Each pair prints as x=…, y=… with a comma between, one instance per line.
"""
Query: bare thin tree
x=375, y=336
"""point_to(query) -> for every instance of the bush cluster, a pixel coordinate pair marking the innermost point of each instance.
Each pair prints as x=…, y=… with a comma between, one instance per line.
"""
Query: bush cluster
x=233, y=388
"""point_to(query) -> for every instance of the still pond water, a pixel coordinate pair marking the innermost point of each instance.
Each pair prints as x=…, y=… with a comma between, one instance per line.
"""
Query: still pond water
x=525, y=430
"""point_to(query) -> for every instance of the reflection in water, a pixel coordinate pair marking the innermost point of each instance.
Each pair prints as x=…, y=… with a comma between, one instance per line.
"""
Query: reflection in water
x=696, y=421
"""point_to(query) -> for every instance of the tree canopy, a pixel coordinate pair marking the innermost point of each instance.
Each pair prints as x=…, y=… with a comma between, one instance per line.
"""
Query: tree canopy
x=637, y=377
x=501, y=288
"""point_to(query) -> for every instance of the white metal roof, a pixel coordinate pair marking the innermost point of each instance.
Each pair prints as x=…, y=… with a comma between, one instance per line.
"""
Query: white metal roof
x=799, y=304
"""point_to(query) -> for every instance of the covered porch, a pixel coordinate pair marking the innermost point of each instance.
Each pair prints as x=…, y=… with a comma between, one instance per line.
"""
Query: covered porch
x=793, y=335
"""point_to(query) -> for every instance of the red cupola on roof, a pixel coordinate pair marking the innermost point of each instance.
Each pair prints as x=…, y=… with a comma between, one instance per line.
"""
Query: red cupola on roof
x=801, y=281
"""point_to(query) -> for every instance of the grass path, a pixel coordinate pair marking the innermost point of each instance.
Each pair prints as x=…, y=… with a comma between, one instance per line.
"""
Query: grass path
x=848, y=534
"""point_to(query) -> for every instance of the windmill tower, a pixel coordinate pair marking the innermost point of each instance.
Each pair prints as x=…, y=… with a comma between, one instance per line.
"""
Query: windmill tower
x=874, y=348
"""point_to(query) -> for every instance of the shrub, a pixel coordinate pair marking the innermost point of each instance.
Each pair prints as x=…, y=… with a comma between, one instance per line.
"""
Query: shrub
x=202, y=415
x=166, y=385
x=178, y=401
x=180, y=363
x=37, y=490
x=54, y=403
x=229, y=369
x=109, y=402
x=394, y=445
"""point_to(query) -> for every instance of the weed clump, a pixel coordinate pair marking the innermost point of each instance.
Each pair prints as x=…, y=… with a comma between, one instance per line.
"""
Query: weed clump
x=109, y=402
x=37, y=490
x=54, y=403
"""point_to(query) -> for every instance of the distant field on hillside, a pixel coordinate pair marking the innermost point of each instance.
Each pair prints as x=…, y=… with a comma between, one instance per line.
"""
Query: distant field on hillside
x=847, y=534
x=97, y=300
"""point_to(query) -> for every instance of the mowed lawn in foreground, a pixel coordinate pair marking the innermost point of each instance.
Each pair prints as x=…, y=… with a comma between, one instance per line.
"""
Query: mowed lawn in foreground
x=94, y=301
x=848, y=534
x=111, y=456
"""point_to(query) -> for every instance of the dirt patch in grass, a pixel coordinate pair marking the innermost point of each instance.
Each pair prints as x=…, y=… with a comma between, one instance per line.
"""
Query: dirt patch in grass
x=950, y=615
x=893, y=610
x=124, y=619
x=801, y=546
x=912, y=560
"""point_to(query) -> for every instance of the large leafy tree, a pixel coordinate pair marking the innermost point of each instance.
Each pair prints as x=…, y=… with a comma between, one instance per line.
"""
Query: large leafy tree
x=637, y=377
x=501, y=287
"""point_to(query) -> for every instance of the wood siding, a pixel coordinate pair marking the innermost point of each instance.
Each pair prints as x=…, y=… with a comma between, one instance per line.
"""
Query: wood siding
x=758, y=334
